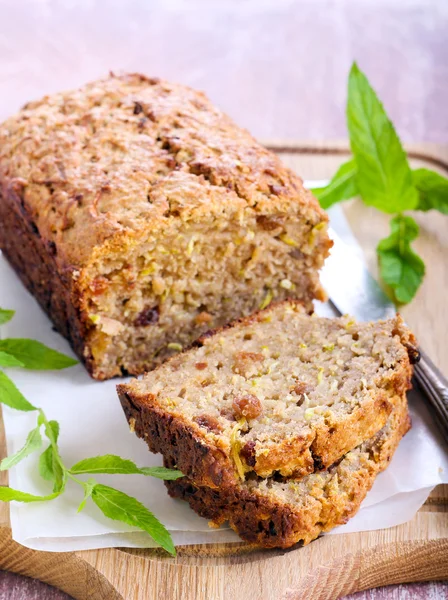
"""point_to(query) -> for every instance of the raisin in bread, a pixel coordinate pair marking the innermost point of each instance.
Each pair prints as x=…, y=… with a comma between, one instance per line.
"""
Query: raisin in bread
x=140, y=216
x=279, y=391
x=281, y=513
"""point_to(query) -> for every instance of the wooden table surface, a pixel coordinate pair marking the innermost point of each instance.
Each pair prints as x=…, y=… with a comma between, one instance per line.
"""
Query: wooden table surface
x=278, y=67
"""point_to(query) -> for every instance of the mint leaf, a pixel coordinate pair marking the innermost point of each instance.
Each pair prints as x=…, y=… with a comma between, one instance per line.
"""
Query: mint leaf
x=161, y=473
x=7, y=360
x=7, y=494
x=6, y=315
x=109, y=463
x=46, y=464
x=112, y=464
x=88, y=489
x=11, y=396
x=383, y=178
x=341, y=187
x=35, y=355
x=432, y=189
x=120, y=507
x=400, y=267
x=33, y=442
x=50, y=469
x=52, y=431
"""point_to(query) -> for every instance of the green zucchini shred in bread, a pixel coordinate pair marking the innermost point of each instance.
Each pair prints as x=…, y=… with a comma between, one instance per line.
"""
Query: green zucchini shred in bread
x=280, y=513
x=277, y=392
x=140, y=216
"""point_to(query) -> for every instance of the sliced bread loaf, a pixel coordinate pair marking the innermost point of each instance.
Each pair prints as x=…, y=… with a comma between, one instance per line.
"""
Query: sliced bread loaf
x=281, y=513
x=279, y=391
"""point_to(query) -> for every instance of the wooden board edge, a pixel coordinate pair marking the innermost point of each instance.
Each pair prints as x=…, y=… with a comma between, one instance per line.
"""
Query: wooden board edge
x=436, y=154
x=319, y=570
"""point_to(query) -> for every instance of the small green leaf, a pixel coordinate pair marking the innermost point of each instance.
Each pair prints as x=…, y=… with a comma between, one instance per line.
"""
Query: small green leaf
x=52, y=431
x=46, y=464
x=88, y=489
x=161, y=473
x=120, y=507
x=109, y=463
x=7, y=494
x=6, y=315
x=50, y=469
x=383, y=178
x=11, y=396
x=33, y=442
x=35, y=355
x=400, y=267
x=7, y=360
x=341, y=187
x=432, y=189
x=112, y=464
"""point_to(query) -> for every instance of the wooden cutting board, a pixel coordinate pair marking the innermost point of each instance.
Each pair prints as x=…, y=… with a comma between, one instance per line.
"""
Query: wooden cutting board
x=330, y=567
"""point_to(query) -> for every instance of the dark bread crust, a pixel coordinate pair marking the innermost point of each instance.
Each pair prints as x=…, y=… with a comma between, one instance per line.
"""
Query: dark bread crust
x=33, y=259
x=177, y=442
x=264, y=520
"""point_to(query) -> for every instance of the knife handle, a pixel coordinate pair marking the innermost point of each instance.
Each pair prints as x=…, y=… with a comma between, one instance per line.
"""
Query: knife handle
x=435, y=387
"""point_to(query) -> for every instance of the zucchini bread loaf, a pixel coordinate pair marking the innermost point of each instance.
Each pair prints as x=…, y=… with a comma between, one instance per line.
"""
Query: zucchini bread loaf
x=279, y=512
x=279, y=391
x=141, y=216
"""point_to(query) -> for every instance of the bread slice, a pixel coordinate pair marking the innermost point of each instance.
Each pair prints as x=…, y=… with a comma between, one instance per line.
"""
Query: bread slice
x=140, y=216
x=281, y=513
x=278, y=391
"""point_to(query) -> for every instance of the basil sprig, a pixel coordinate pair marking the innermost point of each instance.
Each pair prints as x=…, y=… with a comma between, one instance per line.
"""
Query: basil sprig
x=113, y=503
x=379, y=172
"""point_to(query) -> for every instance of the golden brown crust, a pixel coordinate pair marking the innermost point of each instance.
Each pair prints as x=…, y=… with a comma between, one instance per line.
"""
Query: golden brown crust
x=100, y=164
x=259, y=516
x=93, y=172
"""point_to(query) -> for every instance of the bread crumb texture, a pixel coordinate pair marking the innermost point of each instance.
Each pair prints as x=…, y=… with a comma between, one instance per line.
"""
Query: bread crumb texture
x=279, y=392
x=279, y=512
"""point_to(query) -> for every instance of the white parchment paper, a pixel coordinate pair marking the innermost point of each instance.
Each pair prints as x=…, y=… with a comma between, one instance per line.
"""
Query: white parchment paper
x=92, y=423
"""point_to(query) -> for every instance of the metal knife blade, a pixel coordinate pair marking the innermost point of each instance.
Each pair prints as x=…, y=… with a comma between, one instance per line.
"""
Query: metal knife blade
x=348, y=283
x=351, y=288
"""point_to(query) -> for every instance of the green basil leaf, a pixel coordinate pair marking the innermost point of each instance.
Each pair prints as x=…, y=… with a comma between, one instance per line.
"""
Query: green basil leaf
x=11, y=396
x=433, y=190
x=341, y=187
x=35, y=355
x=161, y=473
x=383, y=178
x=120, y=507
x=88, y=489
x=6, y=315
x=7, y=360
x=33, y=442
x=7, y=494
x=400, y=267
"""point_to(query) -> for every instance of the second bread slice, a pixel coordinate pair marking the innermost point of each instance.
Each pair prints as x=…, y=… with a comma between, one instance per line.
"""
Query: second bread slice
x=279, y=391
x=282, y=512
